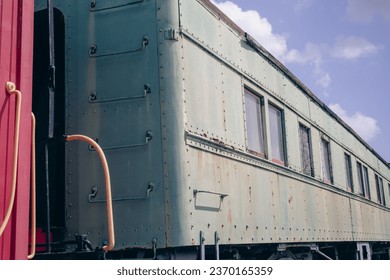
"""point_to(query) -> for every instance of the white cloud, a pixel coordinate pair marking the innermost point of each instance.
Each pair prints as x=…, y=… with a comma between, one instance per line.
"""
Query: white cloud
x=351, y=47
x=258, y=27
x=366, y=10
x=261, y=29
x=345, y=47
x=324, y=79
x=366, y=126
x=312, y=54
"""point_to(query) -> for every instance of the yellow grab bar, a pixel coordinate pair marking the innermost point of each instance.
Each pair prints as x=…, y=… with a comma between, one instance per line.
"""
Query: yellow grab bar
x=11, y=89
x=33, y=192
x=110, y=219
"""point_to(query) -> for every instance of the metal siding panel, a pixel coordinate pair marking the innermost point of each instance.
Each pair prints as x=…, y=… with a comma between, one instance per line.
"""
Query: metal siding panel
x=233, y=109
x=338, y=169
x=204, y=97
x=121, y=75
x=253, y=70
x=115, y=119
x=16, y=46
x=98, y=5
x=231, y=47
x=263, y=206
x=292, y=140
x=315, y=140
x=319, y=117
x=206, y=30
x=8, y=60
x=22, y=206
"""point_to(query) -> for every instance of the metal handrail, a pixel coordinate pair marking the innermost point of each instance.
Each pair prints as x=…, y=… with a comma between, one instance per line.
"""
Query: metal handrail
x=11, y=89
x=94, y=48
x=110, y=219
x=33, y=192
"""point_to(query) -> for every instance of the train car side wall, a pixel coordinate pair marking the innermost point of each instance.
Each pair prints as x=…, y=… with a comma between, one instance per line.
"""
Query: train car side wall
x=222, y=187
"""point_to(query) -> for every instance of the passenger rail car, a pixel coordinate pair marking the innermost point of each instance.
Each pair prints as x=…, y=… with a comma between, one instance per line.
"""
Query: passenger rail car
x=215, y=149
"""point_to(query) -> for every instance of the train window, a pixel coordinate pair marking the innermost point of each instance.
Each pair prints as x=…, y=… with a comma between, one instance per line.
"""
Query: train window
x=254, y=123
x=277, y=134
x=360, y=178
x=348, y=172
x=305, y=147
x=379, y=190
x=366, y=183
x=388, y=185
x=326, y=161
x=389, y=188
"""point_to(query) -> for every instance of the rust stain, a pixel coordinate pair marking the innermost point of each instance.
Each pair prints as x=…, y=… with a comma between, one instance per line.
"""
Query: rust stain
x=229, y=217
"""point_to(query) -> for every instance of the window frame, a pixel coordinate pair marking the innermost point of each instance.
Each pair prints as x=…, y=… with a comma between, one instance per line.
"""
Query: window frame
x=364, y=188
x=366, y=179
x=326, y=164
x=380, y=192
x=348, y=172
x=281, y=134
x=361, y=189
x=302, y=126
x=388, y=186
x=260, y=123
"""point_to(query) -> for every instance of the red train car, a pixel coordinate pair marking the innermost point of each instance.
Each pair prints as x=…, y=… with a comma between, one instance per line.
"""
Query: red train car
x=16, y=49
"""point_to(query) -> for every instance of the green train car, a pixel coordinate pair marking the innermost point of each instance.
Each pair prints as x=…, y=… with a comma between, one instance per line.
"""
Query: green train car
x=215, y=149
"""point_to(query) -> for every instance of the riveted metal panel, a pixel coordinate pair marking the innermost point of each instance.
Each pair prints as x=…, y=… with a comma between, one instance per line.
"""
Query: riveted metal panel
x=263, y=205
x=383, y=169
x=231, y=47
x=338, y=169
x=204, y=97
x=292, y=140
x=320, y=118
x=205, y=30
x=253, y=70
x=369, y=223
x=100, y=5
x=233, y=109
x=335, y=129
x=118, y=66
x=315, y=140
x=112, y=95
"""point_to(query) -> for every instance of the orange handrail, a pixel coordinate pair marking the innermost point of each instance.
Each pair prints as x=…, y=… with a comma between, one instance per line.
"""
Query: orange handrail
x=33, y=192
x=110, y=219
x=11, y=89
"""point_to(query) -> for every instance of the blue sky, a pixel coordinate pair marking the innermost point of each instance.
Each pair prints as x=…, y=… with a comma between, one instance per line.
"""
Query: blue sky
x=340, y=49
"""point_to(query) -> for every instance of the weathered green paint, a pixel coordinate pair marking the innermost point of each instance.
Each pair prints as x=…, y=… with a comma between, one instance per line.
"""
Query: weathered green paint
x=196, y=113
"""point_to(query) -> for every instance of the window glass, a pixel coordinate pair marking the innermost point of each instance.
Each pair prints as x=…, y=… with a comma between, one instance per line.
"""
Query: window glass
x=382, y=192
x=348, y=171
x=326, y=167
x=360, y=178
x=366, y=183
x=277, y=137
x=305, y=147
x=389, y=188
x=254, y=123
x=379, y=190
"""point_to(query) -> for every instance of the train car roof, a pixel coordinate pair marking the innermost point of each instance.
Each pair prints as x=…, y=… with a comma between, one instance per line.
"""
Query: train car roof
x=277, y=64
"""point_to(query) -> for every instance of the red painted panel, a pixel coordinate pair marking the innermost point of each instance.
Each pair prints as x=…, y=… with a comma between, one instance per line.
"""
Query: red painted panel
x=16, y=39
